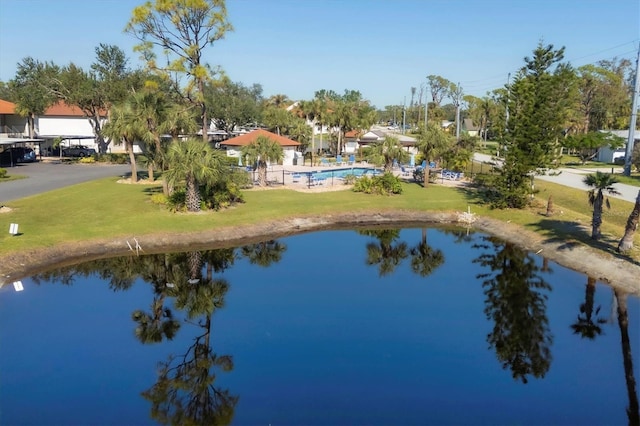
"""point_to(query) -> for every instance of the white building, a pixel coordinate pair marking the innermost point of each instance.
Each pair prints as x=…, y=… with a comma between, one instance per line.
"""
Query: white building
x=290, y=147
x=608, y=155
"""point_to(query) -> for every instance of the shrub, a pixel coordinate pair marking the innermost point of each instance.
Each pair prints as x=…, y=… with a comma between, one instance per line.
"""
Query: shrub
x=3, y=173
x=87, y=160
x=121, y=158
x=349, y=179
x=159, y=199
x=385, y=184
x=177, y=201
x=635, y=156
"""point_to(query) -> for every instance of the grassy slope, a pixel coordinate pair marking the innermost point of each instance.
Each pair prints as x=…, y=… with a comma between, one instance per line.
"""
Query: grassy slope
x=103, y=208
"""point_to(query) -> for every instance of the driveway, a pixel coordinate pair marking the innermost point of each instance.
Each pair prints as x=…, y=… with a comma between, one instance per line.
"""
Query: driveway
x=573, y=178
x=46, y=176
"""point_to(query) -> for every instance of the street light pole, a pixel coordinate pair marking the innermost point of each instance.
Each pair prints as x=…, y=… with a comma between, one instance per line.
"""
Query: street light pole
x=632, y=124
x=426, y=104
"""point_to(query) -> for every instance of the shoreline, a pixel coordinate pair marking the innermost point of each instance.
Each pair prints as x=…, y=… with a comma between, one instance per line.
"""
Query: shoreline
x=615, y=271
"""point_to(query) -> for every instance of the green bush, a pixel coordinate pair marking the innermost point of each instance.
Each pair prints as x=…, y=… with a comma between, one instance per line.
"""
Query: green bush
x=385, y=184
x=120, y=158
x=159, y=199
x=350, y=179
x=3, y=173
x=177, y=201
x=230, y=161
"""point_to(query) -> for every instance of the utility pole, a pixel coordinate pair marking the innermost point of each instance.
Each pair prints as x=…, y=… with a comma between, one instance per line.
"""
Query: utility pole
x=632, y=123
x=426, y=104
x=404, y=114
x=458, y=101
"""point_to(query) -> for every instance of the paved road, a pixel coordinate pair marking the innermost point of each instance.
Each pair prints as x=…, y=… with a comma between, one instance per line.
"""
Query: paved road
x=573, y=178
x=44, y=176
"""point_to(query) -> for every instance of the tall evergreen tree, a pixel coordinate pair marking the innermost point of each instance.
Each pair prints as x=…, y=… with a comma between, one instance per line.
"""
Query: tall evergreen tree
x=538, y=103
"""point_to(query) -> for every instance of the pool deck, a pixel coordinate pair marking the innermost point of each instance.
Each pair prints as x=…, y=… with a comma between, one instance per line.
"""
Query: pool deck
x=276, y=173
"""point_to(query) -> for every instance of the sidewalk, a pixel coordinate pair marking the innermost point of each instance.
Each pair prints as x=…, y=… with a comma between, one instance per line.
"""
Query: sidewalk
x=573, y=179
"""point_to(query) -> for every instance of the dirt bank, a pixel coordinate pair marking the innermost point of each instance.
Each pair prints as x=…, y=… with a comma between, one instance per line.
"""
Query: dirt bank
x=616, y=271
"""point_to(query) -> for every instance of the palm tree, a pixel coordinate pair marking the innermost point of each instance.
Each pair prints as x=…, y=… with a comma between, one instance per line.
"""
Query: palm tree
x=261, y=151
x=424, y=259
x=432, y=141
x=585, y=325
x=125, y=126
x=194, y=162
x=626, y=243
x=599, y=182
x=386, y=151
x=279, y=101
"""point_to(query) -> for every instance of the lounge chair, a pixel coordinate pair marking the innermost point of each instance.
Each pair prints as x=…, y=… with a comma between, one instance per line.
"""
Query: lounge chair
x=324, y=162
x=352, y=160
x=339, y=160
x=405, y=172
x=296, y=177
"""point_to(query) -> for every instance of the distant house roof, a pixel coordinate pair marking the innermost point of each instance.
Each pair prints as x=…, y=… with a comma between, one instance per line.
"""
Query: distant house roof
x=250, y=137
x=467, y=124
x=7, y=107
x=373, y=135
x=62, y=109
x=623, y=134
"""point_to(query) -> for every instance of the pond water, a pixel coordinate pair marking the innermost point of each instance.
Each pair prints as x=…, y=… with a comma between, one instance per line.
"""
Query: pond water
x=412, y=326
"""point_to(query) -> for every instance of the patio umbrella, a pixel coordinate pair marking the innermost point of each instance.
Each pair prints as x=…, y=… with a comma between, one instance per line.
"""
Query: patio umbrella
x=240, y=160
x=412, y=161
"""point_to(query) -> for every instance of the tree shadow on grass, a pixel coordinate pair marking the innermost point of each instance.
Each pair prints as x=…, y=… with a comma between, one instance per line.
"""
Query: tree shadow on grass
x=471, y=194
x=570, y=234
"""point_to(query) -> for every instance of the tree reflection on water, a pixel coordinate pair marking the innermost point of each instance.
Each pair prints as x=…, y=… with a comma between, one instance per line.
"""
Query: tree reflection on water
x=516, y=303
x=184, y=392
x=188, y=290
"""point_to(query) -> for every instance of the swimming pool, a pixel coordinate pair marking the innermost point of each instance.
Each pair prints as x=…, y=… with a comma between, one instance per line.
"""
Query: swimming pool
x=341, y=173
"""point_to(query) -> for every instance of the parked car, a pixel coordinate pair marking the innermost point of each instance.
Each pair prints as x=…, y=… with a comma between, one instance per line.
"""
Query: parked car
x=78, y=151
x=14, y=155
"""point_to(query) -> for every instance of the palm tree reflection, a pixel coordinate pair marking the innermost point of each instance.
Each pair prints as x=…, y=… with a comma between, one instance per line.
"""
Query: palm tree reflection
x=264, y=253
x=184, y=392
x=585, y=325
x=633, y=411
x=516, y=303
x=425, y=259
x=385, y=253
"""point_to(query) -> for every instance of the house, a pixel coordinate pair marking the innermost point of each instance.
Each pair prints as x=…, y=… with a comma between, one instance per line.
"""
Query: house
x=11, y=124
x=377, y=134
x=608, y=155
x=470, y=128
x=71, y=125
x=13, y=129
x=234, y=145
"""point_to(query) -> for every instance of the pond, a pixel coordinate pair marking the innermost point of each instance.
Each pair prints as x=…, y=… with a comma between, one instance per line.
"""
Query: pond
x=384, y=326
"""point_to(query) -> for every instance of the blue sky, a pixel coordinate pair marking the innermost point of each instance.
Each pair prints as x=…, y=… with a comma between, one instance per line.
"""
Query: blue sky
x=380, y=47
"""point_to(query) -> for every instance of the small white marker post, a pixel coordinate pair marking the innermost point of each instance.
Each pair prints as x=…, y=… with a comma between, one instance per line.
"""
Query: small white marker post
x=13, y=229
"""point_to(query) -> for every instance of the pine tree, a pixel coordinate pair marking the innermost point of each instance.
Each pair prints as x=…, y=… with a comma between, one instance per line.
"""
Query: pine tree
x=537, y=102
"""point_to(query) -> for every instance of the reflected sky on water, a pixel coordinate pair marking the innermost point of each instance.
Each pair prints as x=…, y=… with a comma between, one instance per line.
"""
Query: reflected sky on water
x=409, y=326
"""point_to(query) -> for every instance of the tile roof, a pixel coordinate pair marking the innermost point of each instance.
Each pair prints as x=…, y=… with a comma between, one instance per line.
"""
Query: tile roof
x=7, y=107
x=250, y=137
x=63, y=109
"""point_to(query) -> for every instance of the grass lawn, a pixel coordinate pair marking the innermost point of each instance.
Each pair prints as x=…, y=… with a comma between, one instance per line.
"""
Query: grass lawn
x=104, y=208
x=9, y=178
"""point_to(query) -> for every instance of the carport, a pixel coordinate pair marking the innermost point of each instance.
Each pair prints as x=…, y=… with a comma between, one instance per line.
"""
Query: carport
x=7, y=143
